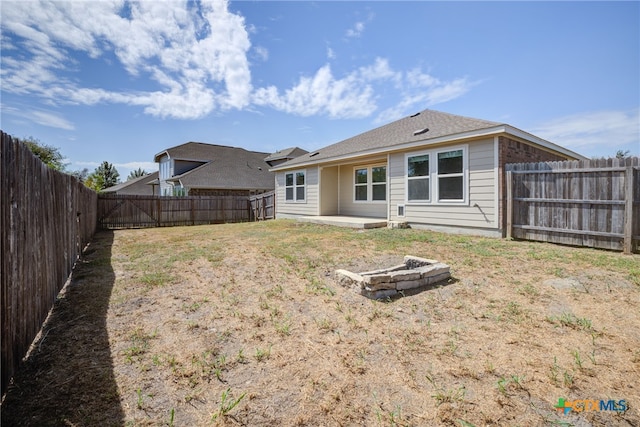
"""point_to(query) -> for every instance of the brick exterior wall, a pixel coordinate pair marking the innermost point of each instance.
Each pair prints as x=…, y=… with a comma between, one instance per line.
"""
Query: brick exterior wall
x=514, y=151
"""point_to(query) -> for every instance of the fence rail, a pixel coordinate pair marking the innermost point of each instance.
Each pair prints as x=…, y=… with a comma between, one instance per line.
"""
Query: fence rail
x=129, y=211
x=47, y=218
x=593, y=203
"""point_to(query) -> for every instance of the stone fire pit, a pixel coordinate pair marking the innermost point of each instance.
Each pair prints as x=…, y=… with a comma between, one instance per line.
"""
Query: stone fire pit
x=413, y=274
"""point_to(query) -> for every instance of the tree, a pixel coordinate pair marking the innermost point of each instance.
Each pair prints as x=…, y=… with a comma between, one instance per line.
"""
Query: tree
x=82, y=175
x=137, y=174
x=50, y=155
x=622, y=154
x=105, y=175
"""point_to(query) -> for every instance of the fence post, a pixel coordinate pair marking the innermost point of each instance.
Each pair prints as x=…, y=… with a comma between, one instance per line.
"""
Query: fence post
x=509, y=204
x=193, y=216
x=628, y=210
x=158, y=212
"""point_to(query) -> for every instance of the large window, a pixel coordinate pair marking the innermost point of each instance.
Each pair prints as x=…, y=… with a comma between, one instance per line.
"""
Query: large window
x=450, y=175
x=362, y=184
x=440, y=173
x=295, y=186
x=370, y=184
x=418, y=178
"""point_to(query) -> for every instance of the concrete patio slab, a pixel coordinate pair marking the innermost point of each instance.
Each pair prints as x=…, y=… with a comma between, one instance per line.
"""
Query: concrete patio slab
x=346, y=221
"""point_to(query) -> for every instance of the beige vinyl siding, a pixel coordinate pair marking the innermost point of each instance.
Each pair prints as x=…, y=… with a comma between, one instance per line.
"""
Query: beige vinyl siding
x=309, y=206
x=480, y=209
x=347, y=204
x=329, y=191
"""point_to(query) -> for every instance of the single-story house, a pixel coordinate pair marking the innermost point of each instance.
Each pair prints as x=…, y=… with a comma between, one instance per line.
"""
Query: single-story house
x=199, y=169
x=146, y=185
x=430, y=170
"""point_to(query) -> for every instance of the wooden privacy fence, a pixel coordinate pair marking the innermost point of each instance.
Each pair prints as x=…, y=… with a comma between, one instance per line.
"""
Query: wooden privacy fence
x=594, y=203
x=129, y=211
x=263, y=206
x=47, y=218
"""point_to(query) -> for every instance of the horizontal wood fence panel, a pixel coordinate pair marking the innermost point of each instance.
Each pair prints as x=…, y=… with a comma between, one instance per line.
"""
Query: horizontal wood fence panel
x=131, y=211
x=593, y=203
x=47, y=218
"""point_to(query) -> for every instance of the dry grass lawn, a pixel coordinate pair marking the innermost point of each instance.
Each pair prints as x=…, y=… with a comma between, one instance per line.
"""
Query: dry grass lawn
x=244, y=324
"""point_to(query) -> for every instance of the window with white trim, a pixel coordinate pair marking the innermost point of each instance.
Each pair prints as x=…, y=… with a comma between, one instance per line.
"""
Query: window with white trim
x=418, y=181
x=295, y=186
x=370, y=183
x=450, y=176
x=441, y=173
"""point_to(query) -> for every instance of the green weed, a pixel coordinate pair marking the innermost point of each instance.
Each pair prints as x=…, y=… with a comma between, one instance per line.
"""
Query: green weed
x=262, y=354
x=570, y=320
x=227, y=403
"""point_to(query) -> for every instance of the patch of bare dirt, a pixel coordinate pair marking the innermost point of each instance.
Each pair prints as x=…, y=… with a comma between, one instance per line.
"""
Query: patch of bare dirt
x=245, y=325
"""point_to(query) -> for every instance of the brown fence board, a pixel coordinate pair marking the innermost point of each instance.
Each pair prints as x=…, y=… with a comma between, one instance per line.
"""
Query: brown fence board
x=263, y=206
x=47, y=218
x=131, y=211
x=593, y=203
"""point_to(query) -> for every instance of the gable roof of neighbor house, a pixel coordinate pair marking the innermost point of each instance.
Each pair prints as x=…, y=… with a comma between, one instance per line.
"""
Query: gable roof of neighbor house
x=423, y=128
x=140, y=186
x=287, y=153
x=223, y=167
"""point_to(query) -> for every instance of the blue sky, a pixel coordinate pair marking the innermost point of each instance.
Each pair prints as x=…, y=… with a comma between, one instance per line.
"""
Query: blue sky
x=120, y=81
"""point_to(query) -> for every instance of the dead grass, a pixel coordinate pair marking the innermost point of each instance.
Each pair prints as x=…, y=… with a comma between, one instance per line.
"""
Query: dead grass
x=243, y=324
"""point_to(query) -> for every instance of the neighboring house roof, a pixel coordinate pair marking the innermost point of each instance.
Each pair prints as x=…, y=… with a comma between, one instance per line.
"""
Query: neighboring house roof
x=141, y=186
x=423, y=128
x=287, y=153
x=225, y=167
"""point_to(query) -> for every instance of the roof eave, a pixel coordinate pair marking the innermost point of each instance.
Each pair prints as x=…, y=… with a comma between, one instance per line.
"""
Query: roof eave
x=490, y=131
x=156, y=158
x=398, y=147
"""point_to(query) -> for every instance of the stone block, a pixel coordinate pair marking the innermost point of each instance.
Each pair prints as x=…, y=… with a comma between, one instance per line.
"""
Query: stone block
x=412, y=284
x=404, y=275
x=381, y=294
x=379, y=286
x=376, y=278
x=438, y=278
x=433, y=270
x=384, y=270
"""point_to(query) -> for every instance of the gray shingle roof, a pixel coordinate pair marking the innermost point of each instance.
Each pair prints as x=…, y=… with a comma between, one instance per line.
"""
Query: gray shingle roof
x=140, y=186
x=287, y=153
x=202, y=151
x=405, y=130
x=225, y=168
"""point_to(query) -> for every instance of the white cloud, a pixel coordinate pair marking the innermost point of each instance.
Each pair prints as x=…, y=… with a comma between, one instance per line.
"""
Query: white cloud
x=356, y=31
x=147, y=166
x=42, y=117
x=354, y=95
x=322, y=94
x=52, y=120
x=330, y=53
x=262, y=53
x=594, y=130
x=196, y=53
x=122, y=168
x=85, y=164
